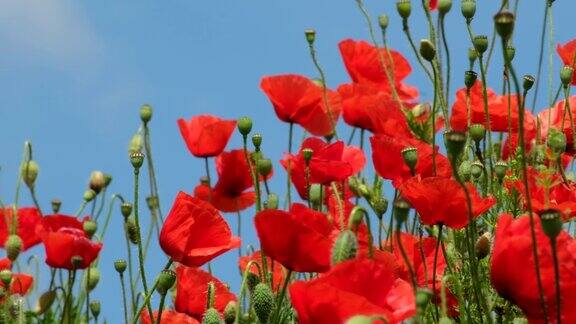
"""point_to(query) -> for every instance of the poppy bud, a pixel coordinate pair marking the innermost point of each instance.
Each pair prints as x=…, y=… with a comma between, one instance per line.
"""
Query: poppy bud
x=423, y=297
x=131, y=230
x=244, y=125
x=89, y=195
x=510, y=53
x=427, y=50
x=315, y=193
x=166, y=280
x=212, y=316
x=56, y=204
x=126, y=209
x=310, y=36
x=137, y=159
x=566, y=75
x=211, y=294
x=472, y=55
x=152, y=202
x=345, y=247
x=90, y=227
x=251, y=281
x=230, y=312
x=468, y=8
x=13, y=246
x=93, y=278
x=145, y=113
x=135, y=144
x=107, y=180
x=504, y=22
x=353, y=184
x=264, y=167
x=528, y=82
x=44, y=302
x=360, y=319
x=455, y=142
x=76, y=261
x=465, y=170
x=477, y=132
x=95, y=308
x=257, y=141
x=262, y=301
x=6, y=277
x=470, y=78
x=401, y=210
x=476, y=169
x=355, y=219
x=307, y=154
x=271, y=202
x=551, y=223
x=482, y=245
x=480, y=43
x=404, y=8
x=444, y=6
x=120, y=265
x=29, y=172
x=383, y=22
x=410, y=157
x=500, y=169
x=556, y=141
x=380, y=205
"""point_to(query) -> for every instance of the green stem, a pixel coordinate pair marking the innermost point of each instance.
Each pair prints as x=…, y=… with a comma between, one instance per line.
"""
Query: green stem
x=406, y=29
x=66, y=311
x=540, y=56
x=336, y=193
x=288, y=180
x=405, y=257
x=434, y=267
x=123, y=287
x=448, y=65
x=35, y=199
x=148, y=296
x=160, y=309
x=243, y=287
x=280, y=298
x=557, y=281
x=81, y=208
x=156, y=211
x=324, y=88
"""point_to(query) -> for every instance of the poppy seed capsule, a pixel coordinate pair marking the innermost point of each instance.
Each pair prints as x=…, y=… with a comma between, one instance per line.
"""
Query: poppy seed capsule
x=465, y=170
x=472, y=55
x=468, y=8
x=383, y=22
x=90, y=227
x=95, y=308
x=476, y=169
x=230, y=312
x=307, y=154
x=310, y=36
x=29, y=172
x=556, y=141
x=482, y=245
x=444, y=6
x=315, y=193
x=470, y=78
x=504, y=22
x=126, y=209
x=264, y=167
x=566, y=74
x=166, y=280
x=262, y=299
x=244, y=125
x=145, y=113
x=551, y=223
x=528, y=82
x=13, y=246
x=480, y=43
x=500, y=169
x=477, y=132
x=120, y=265
x=152, y=202
x=380, y=205
x=271, y=202
x=510, y=53
x=93, y=278
x=401, y=210
x=404, y=8
x=427, y=50
x=257, y=141
x=56, y=204
x=89, y=195
x=455, y=142
x=137, y=159
x=6, y=277
x=410, y=157
x=212, y=316
x=345, y=247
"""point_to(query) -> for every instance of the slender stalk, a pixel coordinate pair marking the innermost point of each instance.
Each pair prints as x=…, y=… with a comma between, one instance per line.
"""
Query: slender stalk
x=351, y=136
x=160, y=308
x=434, y=106
x=448, y=63
x=66, y=311
x=81, y=208
x=340, y=204
x=156, y=211
x=406, y=29
x=102, y=203
x=540, y=56
x=32, y=190
x=149, y=295
x=123, y=287
x=435, y=265
x=87, y=295
x=487, y=117
x=288, y=180
x=557, y=281
x=243, y=286
x=280, y=297
x=405, y=258
x=324, y=88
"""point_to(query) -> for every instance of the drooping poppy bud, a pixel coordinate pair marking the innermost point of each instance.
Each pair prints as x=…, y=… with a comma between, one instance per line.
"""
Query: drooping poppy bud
x=97, y=181
x=13, y=247
x=404, y=8
x=89, y=195
x=166, y=280
x=145, y=113
x=355, y=219
x=427, y=50
x=29, y=172
x=92, y=279
x=6, y=277
x=244, y=125
x=120, y=265
x=345, y=247
x=230, y=312
x=262, y=301
x=44, y=302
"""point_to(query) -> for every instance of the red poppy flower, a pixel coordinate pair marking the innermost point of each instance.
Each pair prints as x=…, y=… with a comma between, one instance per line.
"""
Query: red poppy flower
x=298, y=239
x=389, y=164
x=557, y=117
x=5, y=263
x=433, y=5
x=66, y=242
x=20, y=284
x=363, y=63
x=278, y=275
x=28, y=219
x=192, y=292
x=206, y=135
x=514, y=276
x=441, y=200
x=168, y=317
x=330, y=162
x=53, y=223
x=297, y=99
x=195, y=233
x=512, y=143
x=354, y=287
x=567, y=53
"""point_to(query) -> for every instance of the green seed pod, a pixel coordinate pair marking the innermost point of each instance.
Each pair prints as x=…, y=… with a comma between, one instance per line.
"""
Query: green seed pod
x=264, y=167
x=6, y=277
x=345, y=247
x=566, y=74
x=89, y=195
x=131, y=230
x=380, y=205
x=212, y=317
x=510, y=53
x=455, y=143
x=262, y=301
x=120, y=265
x=427, y=50
x=230, y=312
x=480, y=43
x=556, y=141
x=401, y=210
x=423, y=297
x=272, y=201
x=44, y=302
x=307, y=154
x=95, y=308
x=472, y=55
x=13, y=246
x=551, y=223
x=383, y=22
x=137, y=159
x=528, y=82
x=93, y=278
x=97, y=181
x=90, y=227
x=166, y=280
x=126, y=209
x=316, y=193
x=145, y=113
x=404, y=8
x=470, y=78
x=76, y=261
x=244, y=125
x=257, y=141
x=477, y=168
x=444, y=6
x=465, y=170
x=500, y=169
x=410, y=157
x=468, y=8
x=477, y=132
x=504, y=22
x=136, y=143
x=29, y=172
x=310, y=35
x=56, y=204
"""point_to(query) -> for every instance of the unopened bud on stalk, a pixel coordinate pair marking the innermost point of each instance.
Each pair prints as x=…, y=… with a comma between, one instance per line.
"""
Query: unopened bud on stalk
x=476, y=169
x=468, y=8
x=410, y=157
x=470, y=78
x=427, y=50
x=500, y=169
x=271, y=202
x=482, y=245
x=89, y=195
x=44, y=302
x=401, y=210
x=97, y=181
x=465, y=170
x=6, y=277
x=315, y=193
x=528, y=82
x=136, y=143
x=212, y=316
x=152, y=202
x=383, y=22
x=76, y=261
x=444, y=6
x=404, y=8
x=230, y=312
x=566, y=74
x=480, y=43
x=556, y=141
x=120, y=265
x=477, y=132
x=551, y=222
x=380, y=205
x=455, y=142
x=307, y=154
x=510, y=53
x=166, y=280
x=211, y=294
x=345, y=247
x=95, y=308
x=126, y=209
x=244, y=125
x=251, y=281
x=107, y=179
x=504, y=22
x=93, y=278
x=145, y=113
x=13, y=246
x=310, y=36
x=263, y=301
x=90, y=227
x=29, y=172
x=257, y=141
x=355, y=219
x=56, y=204
x=137, y=159
x=264, y=167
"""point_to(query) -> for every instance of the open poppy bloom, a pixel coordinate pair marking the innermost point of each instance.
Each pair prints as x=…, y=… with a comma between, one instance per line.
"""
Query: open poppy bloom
x=567, y=54
x=168, y=317
x=559, y=118
x=206, y=135
x=364, y=65
x=192, y=292
x=330, y=162
x=55, y=222
x=297, y=99
x=278, y=273
x=440, y=200
x=28, y=219
x=299, y=239
x=513, y=273
x=354, y=287
x=63, y=241
x=389, y=163
x=195, y=233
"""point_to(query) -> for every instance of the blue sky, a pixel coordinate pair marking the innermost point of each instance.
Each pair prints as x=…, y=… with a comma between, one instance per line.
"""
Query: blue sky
x=74, y=74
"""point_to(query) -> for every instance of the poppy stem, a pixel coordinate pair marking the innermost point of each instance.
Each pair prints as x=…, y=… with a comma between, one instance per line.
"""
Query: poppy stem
x=131, y=280
x=148, y=296
x=336, y=194
x=123, y=287
x=207, y=168
x=68, y=300
x=87, y=287
x=160, y=308
x=288, y=180
x=27, y=156
x=405, y=257
x=556, y=280
x=81, y=208
x=155, y=210
x=434, y=106
x=239, y=229
x=439, y=240
x=281, y=297
x=109, y=214
x=244, y=284
x=447, y=50
x=351, y=136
